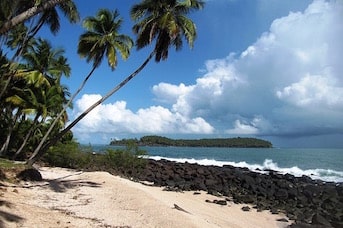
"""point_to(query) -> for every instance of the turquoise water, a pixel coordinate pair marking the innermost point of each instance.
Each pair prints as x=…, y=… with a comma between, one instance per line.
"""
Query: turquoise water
x=318, y=163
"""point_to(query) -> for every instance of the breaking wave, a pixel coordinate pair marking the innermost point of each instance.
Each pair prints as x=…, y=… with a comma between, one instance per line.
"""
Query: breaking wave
x=268, y=164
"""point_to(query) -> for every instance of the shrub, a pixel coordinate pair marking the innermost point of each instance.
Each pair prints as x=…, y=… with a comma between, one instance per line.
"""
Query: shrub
x=126, y=160
x=67, y=155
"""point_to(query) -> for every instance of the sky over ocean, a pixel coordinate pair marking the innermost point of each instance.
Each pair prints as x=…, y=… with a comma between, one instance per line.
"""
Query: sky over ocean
x=263, y=68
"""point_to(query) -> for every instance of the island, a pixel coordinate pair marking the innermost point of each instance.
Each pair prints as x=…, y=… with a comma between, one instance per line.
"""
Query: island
x=154, y=140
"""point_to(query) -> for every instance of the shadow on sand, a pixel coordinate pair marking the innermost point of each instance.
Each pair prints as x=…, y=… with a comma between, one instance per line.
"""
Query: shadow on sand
x=5, y=216
x=62, y=185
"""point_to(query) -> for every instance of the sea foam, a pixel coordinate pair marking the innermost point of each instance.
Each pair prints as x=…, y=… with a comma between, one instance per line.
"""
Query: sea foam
x=268, y=164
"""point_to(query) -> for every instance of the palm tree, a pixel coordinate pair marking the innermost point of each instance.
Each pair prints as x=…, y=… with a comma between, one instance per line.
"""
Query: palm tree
x=43, y=103
x=48, y=62
x=102, y=39
x=161, y=20
x=49, y=16
x=36, y=8
x=165, y=22
x=42, y=70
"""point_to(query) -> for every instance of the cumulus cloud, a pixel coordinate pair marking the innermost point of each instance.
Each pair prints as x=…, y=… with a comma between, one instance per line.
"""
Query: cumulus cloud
x=116, y=118
x=313, y=90
x=289, y=82
x=168, y=93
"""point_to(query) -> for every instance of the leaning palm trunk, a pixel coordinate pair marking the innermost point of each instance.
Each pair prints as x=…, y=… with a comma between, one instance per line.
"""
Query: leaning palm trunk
x=27, y=136
x=28, y=14
x=17, y=54
x=45, y=137
x=41, y=150
x=4, y=147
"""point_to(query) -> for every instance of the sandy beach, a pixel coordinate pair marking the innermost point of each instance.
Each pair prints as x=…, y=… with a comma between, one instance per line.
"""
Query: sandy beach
x=68, y=198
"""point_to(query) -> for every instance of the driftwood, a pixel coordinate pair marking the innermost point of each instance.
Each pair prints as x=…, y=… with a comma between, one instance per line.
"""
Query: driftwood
x=180, y=208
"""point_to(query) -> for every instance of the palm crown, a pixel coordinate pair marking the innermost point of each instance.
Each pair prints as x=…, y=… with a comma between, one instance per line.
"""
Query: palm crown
x=165, y=21
x=102, y=38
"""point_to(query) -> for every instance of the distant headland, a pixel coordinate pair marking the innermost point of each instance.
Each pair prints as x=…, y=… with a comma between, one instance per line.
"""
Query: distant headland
x=238, y=142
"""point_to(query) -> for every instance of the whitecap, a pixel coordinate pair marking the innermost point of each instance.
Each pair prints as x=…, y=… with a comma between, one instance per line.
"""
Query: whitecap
x=268, y=164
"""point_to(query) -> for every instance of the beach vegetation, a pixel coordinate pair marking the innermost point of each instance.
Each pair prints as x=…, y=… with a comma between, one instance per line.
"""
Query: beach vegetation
x=67, y=155
x=127, y=160
x=101, y=39
x=121, y=161
x=31, y=69
x=238, y=142
x=33, y=115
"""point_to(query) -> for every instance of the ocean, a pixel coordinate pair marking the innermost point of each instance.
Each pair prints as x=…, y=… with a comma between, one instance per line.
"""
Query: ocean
x=317, y=163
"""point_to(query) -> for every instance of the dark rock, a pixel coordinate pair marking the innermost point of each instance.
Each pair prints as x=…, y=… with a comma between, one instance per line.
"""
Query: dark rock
x=281, y=194
x=172, y=189
x=320, y=220
x=311, y=191
x=305, y=225
x=214, y=193
x=274, y=211
x=247, y=199
x=30, y=175
x=220, y=202
x=210, y=182
x=2, y=175
x=246, y=208
x=301, y=198
x=282, y=220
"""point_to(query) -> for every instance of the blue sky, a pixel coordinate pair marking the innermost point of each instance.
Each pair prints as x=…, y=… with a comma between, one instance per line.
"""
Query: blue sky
x=270, y=69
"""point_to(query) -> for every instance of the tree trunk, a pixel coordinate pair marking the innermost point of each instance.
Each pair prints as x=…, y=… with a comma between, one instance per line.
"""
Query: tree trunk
x=45, y=137
x=4, y=147
x=40, y=151
x=28, y=14
x=27, y=136
x=15, y=20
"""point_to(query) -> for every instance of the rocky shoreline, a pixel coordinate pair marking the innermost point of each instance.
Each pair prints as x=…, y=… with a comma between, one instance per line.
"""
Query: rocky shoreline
x=305, y=201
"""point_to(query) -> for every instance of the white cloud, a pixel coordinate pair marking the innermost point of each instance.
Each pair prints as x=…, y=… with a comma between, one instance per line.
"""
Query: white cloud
x=242, y=129
x=290, y=78
x=288, y=82
x=168, y=93
x=313, y=90
x=116, y=118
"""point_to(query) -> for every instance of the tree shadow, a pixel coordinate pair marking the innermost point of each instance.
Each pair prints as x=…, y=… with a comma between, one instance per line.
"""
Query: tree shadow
x=61, y=185
x=64, y=185
x=5, y=216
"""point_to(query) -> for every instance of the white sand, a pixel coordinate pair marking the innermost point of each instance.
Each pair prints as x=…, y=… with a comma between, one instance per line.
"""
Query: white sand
x=68, y=198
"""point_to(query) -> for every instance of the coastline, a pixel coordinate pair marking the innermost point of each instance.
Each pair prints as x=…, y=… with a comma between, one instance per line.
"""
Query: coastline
x=69, y=198
x=305, y=201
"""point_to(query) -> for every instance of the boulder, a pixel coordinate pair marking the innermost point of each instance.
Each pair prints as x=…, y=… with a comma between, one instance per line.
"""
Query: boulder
x=30, y=175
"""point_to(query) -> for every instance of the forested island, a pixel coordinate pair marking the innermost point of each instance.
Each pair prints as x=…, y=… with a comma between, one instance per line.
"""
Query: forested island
x=213, y=142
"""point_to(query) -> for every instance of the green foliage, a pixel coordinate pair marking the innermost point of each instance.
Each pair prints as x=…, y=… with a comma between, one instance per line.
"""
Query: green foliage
x=215, y=142
x=31, y=94
x=164, y=22
x=6, y=164
x=67, y=155
x=120, y=161
x=128, y=158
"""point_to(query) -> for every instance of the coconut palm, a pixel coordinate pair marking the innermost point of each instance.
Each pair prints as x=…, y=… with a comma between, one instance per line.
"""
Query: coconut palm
x=102, y=39
x=42, y=70
x=42, y=102
x=49, y=63
x=23, y=15
x=163, y=21
x=49, y=16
